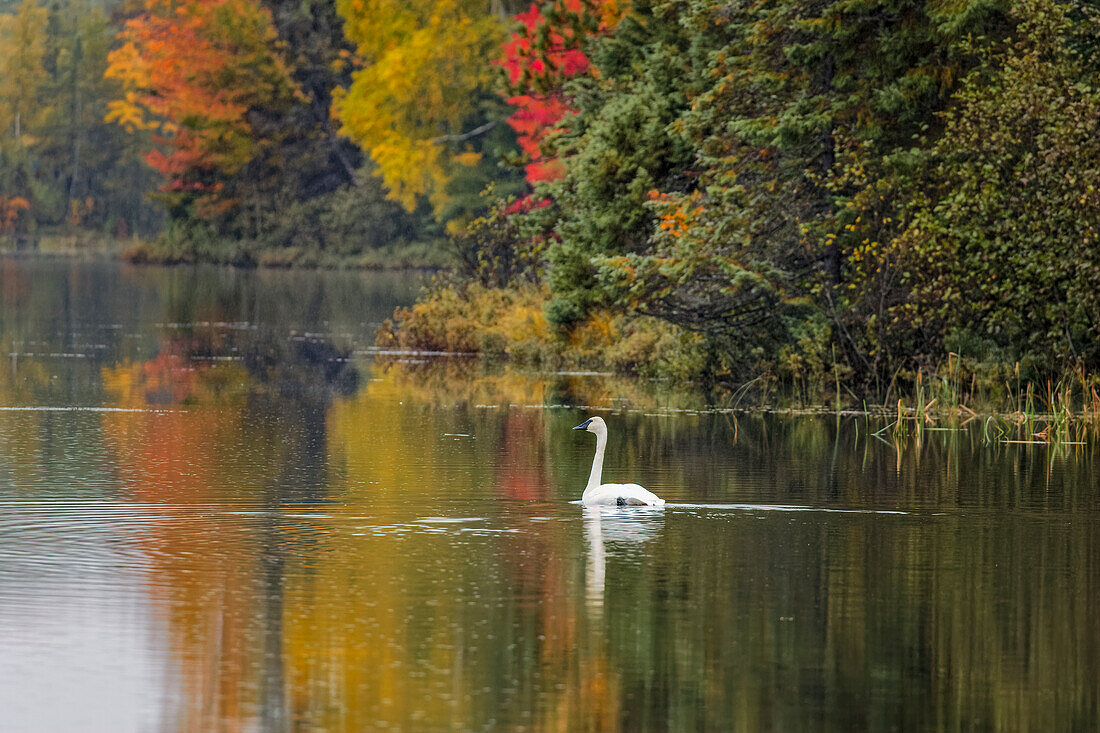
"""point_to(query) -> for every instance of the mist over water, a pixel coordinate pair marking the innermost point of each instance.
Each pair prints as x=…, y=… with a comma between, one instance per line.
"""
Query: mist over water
x=220, y=509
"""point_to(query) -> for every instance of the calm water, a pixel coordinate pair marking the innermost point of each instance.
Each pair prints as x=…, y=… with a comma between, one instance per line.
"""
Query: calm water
x=219, y=510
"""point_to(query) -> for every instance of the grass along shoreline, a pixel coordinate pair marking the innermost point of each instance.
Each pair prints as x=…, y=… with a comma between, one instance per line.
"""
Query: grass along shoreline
x=509, y=325
x=487, y=383
x=402, y=256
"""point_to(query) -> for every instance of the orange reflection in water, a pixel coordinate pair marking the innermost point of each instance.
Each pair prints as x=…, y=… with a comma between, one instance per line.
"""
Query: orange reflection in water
x=201, y=561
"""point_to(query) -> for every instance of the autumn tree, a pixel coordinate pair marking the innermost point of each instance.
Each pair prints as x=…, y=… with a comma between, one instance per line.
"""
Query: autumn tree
x=199, y=73
x=237, y=94
x=545, y=52
x=22, y=78
x=23, y=37
x=422, y=104
x=1001, y=246
x=615, y=147
x=70, y=168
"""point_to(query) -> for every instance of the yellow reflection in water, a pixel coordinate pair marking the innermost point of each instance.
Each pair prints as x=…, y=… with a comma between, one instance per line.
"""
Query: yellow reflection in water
x=395, y=620
x=446, y=383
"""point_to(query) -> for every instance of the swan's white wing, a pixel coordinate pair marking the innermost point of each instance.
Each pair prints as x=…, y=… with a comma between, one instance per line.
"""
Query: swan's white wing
x=621, y=495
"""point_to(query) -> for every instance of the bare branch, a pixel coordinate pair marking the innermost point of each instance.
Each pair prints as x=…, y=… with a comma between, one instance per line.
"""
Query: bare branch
x=466, y=135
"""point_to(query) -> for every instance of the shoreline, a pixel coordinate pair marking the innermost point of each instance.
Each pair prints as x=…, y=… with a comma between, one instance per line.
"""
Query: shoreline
x=494, y=381
x=125, y=256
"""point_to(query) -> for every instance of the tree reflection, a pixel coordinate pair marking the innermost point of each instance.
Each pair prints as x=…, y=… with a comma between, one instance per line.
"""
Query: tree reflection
x=460, y=381
x=337, y=552
x=242, y=423
x=541, y=615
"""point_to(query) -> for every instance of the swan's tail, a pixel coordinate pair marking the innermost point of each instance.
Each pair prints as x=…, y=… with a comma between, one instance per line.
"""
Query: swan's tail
x=635, y=501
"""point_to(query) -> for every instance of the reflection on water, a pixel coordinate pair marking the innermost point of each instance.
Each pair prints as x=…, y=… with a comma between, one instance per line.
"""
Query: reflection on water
x=619, y=525
x=254, y=524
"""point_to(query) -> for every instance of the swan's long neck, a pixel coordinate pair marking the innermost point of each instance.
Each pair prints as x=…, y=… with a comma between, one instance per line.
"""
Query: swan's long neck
x=597, y=463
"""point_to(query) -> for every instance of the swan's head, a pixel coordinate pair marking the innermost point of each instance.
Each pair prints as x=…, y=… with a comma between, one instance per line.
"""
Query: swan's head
x=593, y=425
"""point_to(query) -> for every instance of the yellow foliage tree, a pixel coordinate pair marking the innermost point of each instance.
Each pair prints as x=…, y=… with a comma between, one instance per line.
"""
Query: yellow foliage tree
x=22, y=48
x=424, y=65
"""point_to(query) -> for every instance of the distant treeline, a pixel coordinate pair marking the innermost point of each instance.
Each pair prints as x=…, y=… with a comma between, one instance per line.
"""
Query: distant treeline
x=60, y=163
x=208, y=127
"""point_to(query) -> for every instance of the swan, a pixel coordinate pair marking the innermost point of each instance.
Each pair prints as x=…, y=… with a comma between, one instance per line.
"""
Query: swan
x=597, y=494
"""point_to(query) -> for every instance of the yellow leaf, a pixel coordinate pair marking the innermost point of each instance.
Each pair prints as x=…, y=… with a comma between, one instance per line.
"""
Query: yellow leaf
x=469, y=158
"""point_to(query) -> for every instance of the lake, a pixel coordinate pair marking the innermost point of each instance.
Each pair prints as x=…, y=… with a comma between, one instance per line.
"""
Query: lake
x=222, y=510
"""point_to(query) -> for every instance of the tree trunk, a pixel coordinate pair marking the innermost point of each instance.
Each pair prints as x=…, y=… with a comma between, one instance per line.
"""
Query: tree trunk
x=828, y=160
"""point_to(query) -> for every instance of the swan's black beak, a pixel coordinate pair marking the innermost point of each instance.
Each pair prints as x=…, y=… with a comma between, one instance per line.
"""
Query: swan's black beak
x=583, y=425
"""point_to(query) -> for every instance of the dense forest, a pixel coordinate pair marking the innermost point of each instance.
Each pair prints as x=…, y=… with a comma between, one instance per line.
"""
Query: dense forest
x=245, y=132
x=834, y=193
x=840, y=197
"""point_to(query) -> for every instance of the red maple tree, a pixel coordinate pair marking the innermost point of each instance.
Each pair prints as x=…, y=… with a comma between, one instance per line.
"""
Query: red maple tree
x=544, y=53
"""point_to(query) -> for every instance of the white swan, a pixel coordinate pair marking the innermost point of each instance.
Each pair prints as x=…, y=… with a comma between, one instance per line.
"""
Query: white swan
x=597, y=494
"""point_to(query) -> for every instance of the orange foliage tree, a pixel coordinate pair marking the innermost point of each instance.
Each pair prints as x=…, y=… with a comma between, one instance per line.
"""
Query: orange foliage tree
x=196, y=72
x=10, y=209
